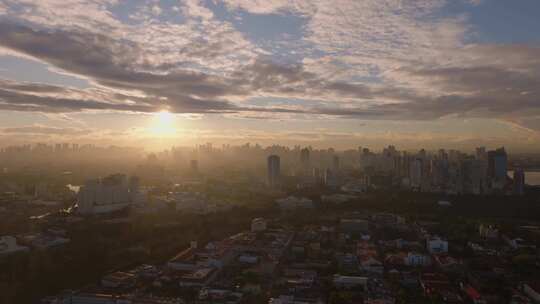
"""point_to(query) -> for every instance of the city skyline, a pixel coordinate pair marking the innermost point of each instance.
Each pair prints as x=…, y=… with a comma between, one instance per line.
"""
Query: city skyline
x=154, y=74
x=54, y=147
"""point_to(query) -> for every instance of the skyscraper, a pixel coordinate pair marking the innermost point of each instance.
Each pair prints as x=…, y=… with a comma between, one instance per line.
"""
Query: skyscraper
x=106, y=195
x=519, y=181
x=335, y=163
x=497, y=161
x=497, y=168
x=304, y=157
x=194, y=166
x=273, y=171
x=416, y=173
x=481, y=153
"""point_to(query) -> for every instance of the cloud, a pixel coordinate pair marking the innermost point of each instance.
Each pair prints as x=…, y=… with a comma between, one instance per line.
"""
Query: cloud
x=113, y=64
x=475, y=2
x=391, y=59
x=46, y=130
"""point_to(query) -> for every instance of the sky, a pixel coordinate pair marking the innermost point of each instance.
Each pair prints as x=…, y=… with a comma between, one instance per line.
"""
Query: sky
x=335, y=73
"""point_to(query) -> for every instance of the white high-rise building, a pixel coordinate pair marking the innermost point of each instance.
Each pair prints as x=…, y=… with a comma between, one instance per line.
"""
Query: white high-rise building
x=106, y=195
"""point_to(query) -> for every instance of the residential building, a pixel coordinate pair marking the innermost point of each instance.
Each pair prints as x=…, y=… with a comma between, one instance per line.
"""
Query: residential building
x=258, y=224
x=109, y=194
x=436, y=245
x=293, y=202
x=8, y=245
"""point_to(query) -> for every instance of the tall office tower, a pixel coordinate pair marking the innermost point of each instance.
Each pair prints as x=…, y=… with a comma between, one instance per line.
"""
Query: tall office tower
x=134, y=184
x=335, y=163
x=194, y=166
x=454, y=155
x=479, y=176
x=435, y=172
x=519, y=181
x=471, y=176
x=416, y=173
x=134, y=188
x=273, y=171
x=497, y=164
x=481, y=153
x=391, y=150
x=405, y=164
x=497, y=167
x=442, y=154
x=304, y=157
x=317, y=178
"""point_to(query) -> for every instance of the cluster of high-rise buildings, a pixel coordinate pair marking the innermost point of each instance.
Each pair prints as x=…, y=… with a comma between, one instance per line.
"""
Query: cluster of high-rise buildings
x=451, y=172
x=48, y=148
x=64, y=151
x=307, y=171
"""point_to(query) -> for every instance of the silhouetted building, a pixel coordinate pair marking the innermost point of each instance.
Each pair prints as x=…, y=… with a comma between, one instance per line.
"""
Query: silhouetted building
x=497, y=161
x=519, y=181
x=415, y=173
x=497, y=168
x=481, y=153
x=273, y=171
x=194, y=166
x=335, y=163
x=304, y=158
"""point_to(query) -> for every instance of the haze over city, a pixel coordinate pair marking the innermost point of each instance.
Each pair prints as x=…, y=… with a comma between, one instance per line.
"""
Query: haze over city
x=269, y=151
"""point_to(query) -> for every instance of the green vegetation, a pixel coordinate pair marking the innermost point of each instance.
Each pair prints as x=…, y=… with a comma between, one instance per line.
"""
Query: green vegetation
x=98, y=248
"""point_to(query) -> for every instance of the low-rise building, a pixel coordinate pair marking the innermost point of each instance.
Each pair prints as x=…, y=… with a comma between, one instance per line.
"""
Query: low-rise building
x=341, y=281
x=118, y=279
x=8, y=245
x=293, y=202
x=258, y=224
x=215, y=254
x=199, y=277
x=44, y=240
x=370, y=264
x=435, y=245
x=488, y=232
x=337, y=198
x=417, y=259
x=353, y=225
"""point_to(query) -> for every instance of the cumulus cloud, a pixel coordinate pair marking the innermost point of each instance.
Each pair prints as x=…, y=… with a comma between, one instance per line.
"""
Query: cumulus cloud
x=390, y=59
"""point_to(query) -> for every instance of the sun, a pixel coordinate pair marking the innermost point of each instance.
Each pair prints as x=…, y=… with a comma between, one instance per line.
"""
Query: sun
x=164, y=123
x=165, y=118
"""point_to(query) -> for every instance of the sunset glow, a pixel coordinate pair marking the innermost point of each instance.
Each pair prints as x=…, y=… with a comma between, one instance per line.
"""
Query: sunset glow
x=163, y=124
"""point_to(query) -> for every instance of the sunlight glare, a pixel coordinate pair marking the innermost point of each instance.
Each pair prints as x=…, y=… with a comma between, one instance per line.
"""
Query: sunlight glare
x=164, y=124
